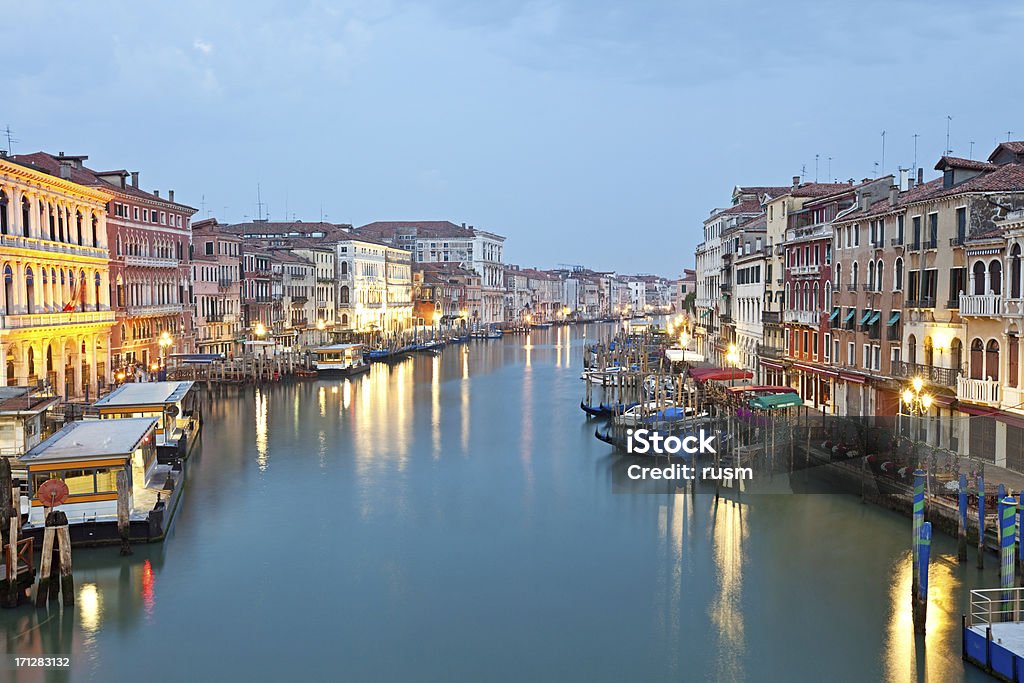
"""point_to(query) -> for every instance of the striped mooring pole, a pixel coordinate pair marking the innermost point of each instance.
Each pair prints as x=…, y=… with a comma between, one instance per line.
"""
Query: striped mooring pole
x=1020, y=546
x=961, y=550
x=1007, y=556
x=981, y=521
x=1000, y=494
x=924, y=557
x=915, y=541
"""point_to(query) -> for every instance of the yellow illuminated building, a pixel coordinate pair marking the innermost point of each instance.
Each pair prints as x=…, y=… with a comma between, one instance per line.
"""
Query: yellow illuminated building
x=55, y=315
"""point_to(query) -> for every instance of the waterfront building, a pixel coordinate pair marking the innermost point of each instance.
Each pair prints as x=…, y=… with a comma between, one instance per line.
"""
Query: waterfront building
x=445, y=294
x=294, y=279
x=322, y=256
x=23, y=422
x=374, y=285
x=519, y=298
x=148, y=238
x=745, y=246
x=547, y=296
x=216, y=288
x=55, y=315
x=260, y=311
x=444, y=241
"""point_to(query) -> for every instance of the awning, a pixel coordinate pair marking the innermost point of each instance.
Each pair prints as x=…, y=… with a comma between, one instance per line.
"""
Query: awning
x=874, y=317
x=776, y=401
x=719, y=374
x=864, y=318
x=835, y=314
x=761, y=388
x=895, y=318
x=849, y=315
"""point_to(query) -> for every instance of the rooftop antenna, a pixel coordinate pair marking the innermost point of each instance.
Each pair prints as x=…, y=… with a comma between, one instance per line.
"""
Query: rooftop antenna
x=1009, y=134
x=971, y=156
x=916, y=136
x=829, y=174
x=948, y=150
x=883, y=151
x=816, y=167
x=10, y=139
x=202, y=205
x=259, y=203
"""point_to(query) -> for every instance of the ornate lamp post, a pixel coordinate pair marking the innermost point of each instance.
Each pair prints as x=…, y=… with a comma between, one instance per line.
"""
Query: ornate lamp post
x=732, y=358
x=166, y=342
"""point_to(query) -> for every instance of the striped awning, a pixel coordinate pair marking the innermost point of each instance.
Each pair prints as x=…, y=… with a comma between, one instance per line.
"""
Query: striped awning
x=835, y=314
x=895, y=318
x=864, y=318
x=849, y=315
x=874, y=317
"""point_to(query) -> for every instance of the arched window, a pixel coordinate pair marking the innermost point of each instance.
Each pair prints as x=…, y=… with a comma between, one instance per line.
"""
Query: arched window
x=96, y=290
x=956, y=354
x=816, y=301
x=78, y=226
x=871, y=276
x=977, y=359
x=828, y=296
x=344, y=267
x=912, y=349
x=854, y=274
x=995, y=277
x=3, y=213
x=838, y=279
x=897, y=279
x=1012, y=360
x=8, y=292
x=30, y=291
x=879, y=277
x=929, y=352
x=343, y=294
x=26, y=215
x=992, y=360
x=979, y=277
x=1015, y=272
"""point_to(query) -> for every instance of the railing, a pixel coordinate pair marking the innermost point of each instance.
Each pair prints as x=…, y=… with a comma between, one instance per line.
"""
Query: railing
x=225, y=283
x=933, y=374
x=725, y=318
x=46, y=245
x=23, y=552
x=812, y=269
x=215, y=318
x=932, y=244
x=770, y=351
x=151, y=262
x=878, y=244
x=154, y=309
x=957, y=241
x=914, y=246
x=851, y=288
x=978, y=390
x=726, y=287
x=926, y=302
x=995, y=606
x=989, y=305
x=13, y=322
x=896, y=241
x=802, y=317
x=771, y=317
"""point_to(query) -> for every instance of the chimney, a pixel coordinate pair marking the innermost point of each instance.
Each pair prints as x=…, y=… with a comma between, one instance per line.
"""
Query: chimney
x=865, y=202
x=910, y=183
x=894, y=192
x=796, y=180
x=920, y=175
x=170, y=195
x=156, y=193
x=65, y=168
x=135, y=178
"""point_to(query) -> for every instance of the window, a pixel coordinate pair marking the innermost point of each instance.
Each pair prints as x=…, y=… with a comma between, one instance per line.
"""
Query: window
x=209, y=248
x=899, y=229
x=876, y=352
x=849, y=353
x=961, y=224
x=933, y=229
x=828, y=346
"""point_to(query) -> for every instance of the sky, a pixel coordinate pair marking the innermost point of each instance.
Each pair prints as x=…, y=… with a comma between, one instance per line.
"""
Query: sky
x=588, y=132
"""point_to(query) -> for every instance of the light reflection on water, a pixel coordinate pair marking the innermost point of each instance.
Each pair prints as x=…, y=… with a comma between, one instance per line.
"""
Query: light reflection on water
x=513, y=562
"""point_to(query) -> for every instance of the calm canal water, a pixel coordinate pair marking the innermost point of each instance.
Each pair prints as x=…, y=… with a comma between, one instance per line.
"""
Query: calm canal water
x=451, y=519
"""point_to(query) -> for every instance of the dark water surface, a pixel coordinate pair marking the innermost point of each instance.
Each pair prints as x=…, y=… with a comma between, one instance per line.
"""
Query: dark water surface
x=451, y=519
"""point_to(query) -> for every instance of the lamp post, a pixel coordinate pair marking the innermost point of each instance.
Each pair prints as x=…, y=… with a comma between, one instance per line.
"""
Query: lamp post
x=732, y=358
x=917, y=402
x=166, y=342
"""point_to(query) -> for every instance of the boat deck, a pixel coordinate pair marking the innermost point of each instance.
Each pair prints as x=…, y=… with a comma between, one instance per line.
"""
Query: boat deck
x=993, y=632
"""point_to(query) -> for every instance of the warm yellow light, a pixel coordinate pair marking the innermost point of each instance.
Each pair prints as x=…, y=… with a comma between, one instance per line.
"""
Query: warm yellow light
x=908, y=396
x=437, y=316
x=154, y=367
x=320, y=324
x=926, y=401
x=918, y=384
x=684, y=339
x=120, y=376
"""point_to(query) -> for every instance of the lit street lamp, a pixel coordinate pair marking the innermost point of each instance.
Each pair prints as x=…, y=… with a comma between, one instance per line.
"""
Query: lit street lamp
x=732, y=358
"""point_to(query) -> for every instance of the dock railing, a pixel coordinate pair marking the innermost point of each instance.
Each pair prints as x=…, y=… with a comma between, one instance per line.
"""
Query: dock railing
x=995, y=606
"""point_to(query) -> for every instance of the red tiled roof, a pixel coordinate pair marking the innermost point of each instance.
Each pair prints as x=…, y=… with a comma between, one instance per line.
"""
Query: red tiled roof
x=422, y=229
x=48, y=163
x=818, y=189
x=748, y=206
x=970, y=164
x=1013, y=146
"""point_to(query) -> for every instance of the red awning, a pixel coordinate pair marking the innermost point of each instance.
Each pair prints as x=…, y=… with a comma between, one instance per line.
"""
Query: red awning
x=719, y=374
x=762, y=388
x=857, y=379
x=816, y=370
x=770, y=364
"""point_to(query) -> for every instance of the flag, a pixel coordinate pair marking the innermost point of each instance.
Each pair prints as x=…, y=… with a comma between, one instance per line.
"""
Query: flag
x=76, y=298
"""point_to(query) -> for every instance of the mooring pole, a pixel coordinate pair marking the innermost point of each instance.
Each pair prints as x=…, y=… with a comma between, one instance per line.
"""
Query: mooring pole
x=981, y=521
x=961, y=550
x=924, y=557
x=918, y=522
x=1007, y=556
x=1000, y=495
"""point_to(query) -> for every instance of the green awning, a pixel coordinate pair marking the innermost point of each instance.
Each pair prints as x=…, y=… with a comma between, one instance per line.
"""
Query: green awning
x=874, y=317
x=894, y=319
x=775, y=401
x=835, y=314
x=849, y=315
x=864, y=318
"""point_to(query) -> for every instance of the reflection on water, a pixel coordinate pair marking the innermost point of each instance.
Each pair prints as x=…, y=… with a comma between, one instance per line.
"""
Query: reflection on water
x=512, y=562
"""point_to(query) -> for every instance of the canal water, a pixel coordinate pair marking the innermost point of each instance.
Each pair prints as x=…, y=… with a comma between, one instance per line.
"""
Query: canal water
x=451, y=518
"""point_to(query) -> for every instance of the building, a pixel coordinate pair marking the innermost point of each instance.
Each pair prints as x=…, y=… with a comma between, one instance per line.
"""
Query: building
x=445, y=294
x=56, y=315
x=148, y=238
x=294, y=279
x=374, y=286
x=260, y=311
x=447, y=242
x=216, y=288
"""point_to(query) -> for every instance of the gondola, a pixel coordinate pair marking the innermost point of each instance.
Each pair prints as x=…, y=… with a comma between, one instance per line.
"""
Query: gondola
x=605, y=410
x=603, y=437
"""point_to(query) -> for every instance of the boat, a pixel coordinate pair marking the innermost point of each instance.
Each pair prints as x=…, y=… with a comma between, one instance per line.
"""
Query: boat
x=303, y=373
x=603, y=377
x=605, y=409
x=542, y=326
x=343, y=359
x=429, y=345
x=652, y=412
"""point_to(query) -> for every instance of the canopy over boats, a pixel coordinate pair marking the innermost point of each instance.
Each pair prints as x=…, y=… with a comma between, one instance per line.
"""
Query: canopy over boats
x=776, y=401
x=719, y=374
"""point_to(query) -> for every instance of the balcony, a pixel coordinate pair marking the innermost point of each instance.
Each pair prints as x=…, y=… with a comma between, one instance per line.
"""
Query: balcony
x=851, y=288
x=154, y=309
x=926, y=302
x=946, y=377
x=725, y=319
x=17, y=322
x=896, y=241
x=812, y=269
x=984, y=391
x=914, y=246
x=225, y=283
x=151, y=262
x=931, y=244
x=18, y=242
x=215, y=318
x=766, y=351
x=802, y=317
x=981, y=305
x=771, y=317
x=957, y=241
x=726, y=287
x=878, y=244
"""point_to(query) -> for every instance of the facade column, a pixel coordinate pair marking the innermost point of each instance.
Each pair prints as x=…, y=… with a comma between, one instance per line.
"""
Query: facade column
x=21, y=365
x=61, y=364
x=3, y=363
x=21, y=287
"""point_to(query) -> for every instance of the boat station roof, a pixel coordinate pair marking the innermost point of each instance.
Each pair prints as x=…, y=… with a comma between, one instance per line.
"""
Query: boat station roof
x=719, y=374
x=145, y=394
x=776, y=401
x=91, y=439
x=25, y=401
x=334, y=348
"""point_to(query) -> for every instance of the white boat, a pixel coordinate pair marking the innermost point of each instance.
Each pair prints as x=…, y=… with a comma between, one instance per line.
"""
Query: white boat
x=345, y=359
x=603, y=377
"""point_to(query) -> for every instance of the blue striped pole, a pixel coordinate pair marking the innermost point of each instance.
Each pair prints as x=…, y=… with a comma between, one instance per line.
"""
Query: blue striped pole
x=918, y=520
x=981, y=521
x=961, y=551
x=1020, y=546
x=1007, y=522
x=1000, y=494
x=924, y=556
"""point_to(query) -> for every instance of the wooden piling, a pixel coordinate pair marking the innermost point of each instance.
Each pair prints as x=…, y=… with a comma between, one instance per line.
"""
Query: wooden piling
x=981, y=521
x=924, y=547
x=67, y=580
x=43, y=588
x=123, y=511
x=961, y=551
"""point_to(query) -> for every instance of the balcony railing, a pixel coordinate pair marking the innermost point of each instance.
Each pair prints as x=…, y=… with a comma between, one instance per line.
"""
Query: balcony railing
x=215, y=318
x=812, y=269
x=981, y=305
x=14, y=322
x=802, y=317
x=851, y=288
x=770, y=317
x=929, y=373
x=984, y=391
x=896, y=241
x=151, y=262
x=154, y=309
x=766, y=351
x=957, y=241
x=925, y=302
x=726, y=287
x=931, y=244
x=725, y=318
x=225, y=283
x=914, y=246
x=19, y=242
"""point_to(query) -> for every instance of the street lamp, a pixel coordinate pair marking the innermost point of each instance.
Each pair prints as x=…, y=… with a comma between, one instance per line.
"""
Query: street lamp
x=916, y=402
x=166, y=341
x=732, y=358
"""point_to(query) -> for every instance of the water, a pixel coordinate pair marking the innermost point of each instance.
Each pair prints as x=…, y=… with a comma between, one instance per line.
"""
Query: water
x=451, y=519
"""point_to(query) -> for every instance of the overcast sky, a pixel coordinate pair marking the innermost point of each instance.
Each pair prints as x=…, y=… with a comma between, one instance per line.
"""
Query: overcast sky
x=591, y=132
